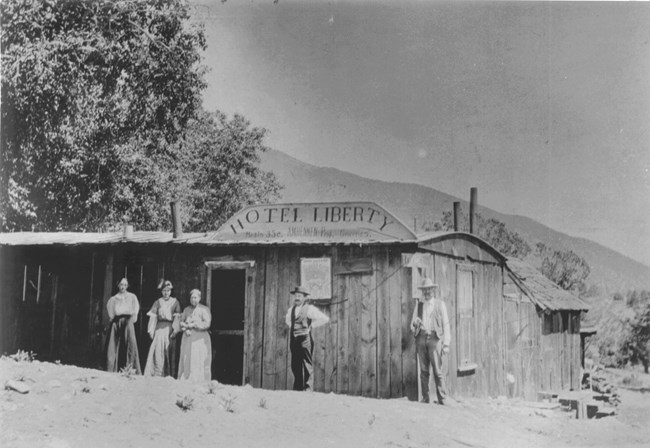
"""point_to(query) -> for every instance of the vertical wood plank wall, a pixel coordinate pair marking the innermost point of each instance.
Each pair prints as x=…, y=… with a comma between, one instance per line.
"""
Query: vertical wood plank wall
x=361, y=351
x=486, y=339
x=367, y=348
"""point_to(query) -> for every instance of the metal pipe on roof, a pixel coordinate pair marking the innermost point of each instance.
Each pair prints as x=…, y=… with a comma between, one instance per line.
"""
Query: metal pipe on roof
x=127, y=232
x=456, y=215
x=473, y=203
x=176, y=220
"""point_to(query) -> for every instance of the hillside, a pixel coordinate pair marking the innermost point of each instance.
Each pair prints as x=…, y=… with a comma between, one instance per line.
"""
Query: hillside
x=417, y=204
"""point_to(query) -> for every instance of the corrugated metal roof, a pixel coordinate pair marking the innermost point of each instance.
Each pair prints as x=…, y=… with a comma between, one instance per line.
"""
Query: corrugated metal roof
x=542, y=291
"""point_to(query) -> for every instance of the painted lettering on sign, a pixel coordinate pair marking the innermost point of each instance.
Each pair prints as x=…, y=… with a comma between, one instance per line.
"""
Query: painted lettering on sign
x=341, y=221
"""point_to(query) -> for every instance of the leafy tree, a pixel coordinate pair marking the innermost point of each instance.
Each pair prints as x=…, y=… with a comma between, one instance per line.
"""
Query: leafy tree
x=224, y=175
x=564, y=267
x=491, y=230
x=624, y=329
x=637, y=342
x=99, y=100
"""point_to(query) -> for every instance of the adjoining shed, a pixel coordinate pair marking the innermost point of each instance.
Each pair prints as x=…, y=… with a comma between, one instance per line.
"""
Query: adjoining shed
x=542, y=332
x=362, y=265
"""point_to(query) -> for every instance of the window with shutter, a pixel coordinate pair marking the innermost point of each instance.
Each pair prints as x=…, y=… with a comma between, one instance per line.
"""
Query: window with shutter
x=465, y=319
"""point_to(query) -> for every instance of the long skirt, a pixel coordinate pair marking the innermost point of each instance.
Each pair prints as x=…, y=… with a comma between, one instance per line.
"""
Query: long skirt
x=122, y=346
x=196, y=357
x=162, y=359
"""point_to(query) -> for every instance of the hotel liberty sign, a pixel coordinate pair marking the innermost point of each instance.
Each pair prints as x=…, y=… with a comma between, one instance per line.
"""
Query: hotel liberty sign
x=315, y=222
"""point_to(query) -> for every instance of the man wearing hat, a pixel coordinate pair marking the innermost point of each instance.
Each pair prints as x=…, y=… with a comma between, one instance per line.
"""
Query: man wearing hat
x=301, y=318
x=430, y=325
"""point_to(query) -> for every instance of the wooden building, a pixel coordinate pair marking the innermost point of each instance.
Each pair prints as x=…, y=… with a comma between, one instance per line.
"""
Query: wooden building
x=360, y=262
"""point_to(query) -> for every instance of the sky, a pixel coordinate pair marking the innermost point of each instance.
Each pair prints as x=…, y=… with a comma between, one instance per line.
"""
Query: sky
x=544, y=106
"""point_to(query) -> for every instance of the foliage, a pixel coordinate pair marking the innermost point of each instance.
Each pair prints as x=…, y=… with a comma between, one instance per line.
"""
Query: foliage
x=186, y=403
x=213, y=387
x=638, y=340
x=128, y=372
x=220, y=172
x=636, y=299
x=102, y=121
x=228, y=403
x=492, y=230
x=93, y=93
x=624, y=330
x=564, y=267
x=21, y=356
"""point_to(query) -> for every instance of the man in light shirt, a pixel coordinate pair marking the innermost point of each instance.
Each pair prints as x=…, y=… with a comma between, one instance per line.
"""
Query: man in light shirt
x=301, y=318
x=430, y=325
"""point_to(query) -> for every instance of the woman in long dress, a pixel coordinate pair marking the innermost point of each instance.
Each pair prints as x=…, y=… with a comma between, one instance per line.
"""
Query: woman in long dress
x=161, y=360
x=196, y=349
x=122, y=346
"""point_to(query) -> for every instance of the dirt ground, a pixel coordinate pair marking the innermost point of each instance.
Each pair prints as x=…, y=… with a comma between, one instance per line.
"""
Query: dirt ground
x=68, y=406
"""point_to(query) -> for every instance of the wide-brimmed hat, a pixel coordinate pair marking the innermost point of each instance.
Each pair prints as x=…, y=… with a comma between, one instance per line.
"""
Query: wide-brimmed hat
x=299, y=289
x=427, y=283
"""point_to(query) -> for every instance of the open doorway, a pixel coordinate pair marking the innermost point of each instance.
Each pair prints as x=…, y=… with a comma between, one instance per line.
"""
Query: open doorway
x=227, y=288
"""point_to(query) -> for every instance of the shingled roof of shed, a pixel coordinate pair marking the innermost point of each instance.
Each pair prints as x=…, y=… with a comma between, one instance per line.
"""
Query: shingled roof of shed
x=542, y=291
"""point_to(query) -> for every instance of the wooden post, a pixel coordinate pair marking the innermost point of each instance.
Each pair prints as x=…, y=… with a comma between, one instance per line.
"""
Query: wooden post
x=38, y=284
x=456, y=215
x=91, y=310
x=55, y=287
x=108, y=289
x=25, y=284
x=473, y=193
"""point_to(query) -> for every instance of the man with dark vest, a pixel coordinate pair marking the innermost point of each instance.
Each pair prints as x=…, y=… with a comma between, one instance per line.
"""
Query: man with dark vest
x=430, y=325
x=301, y=318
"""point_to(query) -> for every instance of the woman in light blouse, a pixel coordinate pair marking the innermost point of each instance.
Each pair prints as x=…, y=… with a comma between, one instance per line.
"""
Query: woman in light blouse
x=163, y=327
x=122, y=346
x=196, y=349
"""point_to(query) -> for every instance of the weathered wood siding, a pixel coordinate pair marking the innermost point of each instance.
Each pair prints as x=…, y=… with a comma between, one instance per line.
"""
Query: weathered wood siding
x=522, y=342
x=361, y=350
x=366, y=349
x=486, y=326
x=560, y=351
x=482, y=334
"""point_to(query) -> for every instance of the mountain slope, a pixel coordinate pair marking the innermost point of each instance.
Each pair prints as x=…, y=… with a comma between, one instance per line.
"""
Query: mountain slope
x=417, y=205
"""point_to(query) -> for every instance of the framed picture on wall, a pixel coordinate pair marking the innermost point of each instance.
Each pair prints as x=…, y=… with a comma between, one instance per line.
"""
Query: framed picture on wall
x=316, y=277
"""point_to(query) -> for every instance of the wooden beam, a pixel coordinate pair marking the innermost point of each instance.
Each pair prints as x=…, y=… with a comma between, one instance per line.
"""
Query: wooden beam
x=54, y=294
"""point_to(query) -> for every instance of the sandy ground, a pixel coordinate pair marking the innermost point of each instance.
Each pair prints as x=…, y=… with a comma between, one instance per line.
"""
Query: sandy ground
x=73, y=407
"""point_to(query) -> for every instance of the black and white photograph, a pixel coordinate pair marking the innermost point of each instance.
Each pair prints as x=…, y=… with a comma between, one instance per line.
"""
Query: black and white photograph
x=324, y=223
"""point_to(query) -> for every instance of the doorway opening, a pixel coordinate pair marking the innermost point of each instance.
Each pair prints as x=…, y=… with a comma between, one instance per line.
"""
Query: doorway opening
x=227, y=305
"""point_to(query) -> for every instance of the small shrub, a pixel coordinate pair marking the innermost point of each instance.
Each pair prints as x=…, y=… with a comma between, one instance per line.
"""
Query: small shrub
x=21, y=356
x=371, y=420
x=213, y=387
x=262, y=403
x=631, y=381
x=23, y=378
x=128, y=372
x=85, y=390
x=186, y=403
x=228, y=403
